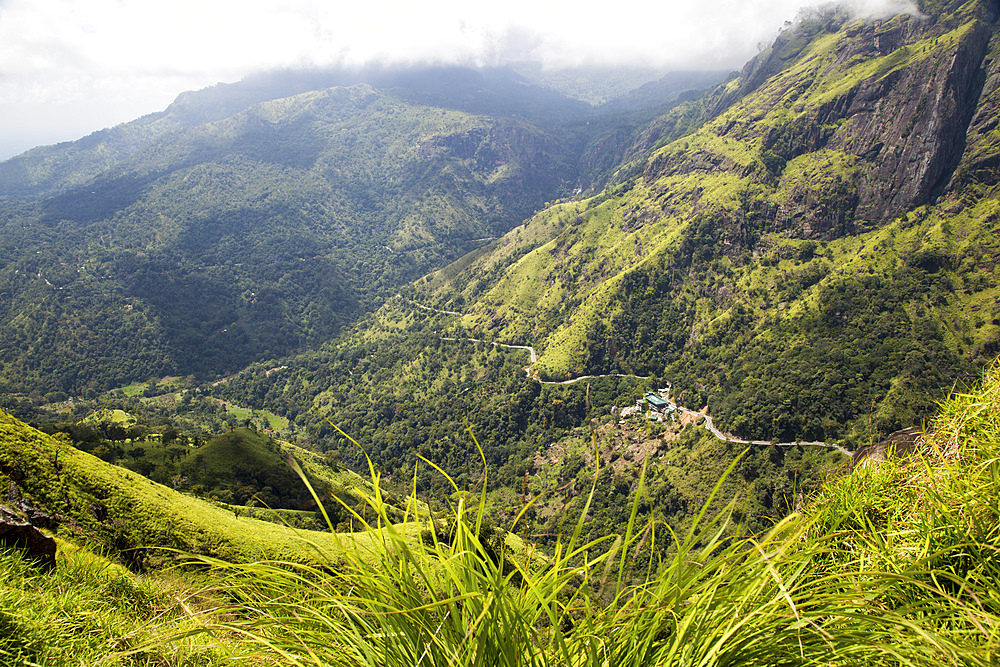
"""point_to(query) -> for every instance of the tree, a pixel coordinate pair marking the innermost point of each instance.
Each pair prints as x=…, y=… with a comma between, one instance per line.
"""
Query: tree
x=169, y=435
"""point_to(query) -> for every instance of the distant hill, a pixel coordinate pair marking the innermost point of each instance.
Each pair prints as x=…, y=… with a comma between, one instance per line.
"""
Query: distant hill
x=551, y=99
x=126, y=515
x=243, y=463
x=48, y=170
x=255, y=235
x=239, y=225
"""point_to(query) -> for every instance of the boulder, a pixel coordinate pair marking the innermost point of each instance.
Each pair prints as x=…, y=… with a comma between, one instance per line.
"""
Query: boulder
x=35, y=516
x=18, y=533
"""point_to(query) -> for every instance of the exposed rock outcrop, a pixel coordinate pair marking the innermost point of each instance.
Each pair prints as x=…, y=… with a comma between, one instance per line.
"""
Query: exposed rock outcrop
x=904, y=124
x=909, y=126
x=18, y=533
x=874, y=115
x=899, y=444
x=35, y=516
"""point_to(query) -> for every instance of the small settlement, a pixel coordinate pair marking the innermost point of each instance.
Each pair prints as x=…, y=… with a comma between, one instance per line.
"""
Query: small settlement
x=659, y=406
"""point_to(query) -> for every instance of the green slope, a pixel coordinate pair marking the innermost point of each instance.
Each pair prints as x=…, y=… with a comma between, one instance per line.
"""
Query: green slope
x=819, y=245
x=256, y=219
x=255, y=235
x=130, y=517
x=757, y=263
x=896, y=564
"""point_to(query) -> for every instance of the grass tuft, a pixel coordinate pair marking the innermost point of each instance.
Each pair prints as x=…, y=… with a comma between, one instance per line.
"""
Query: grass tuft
x=895, y=564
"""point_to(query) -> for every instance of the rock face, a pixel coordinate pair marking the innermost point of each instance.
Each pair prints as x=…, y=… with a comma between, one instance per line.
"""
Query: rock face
x=898, y=444
x=17, y=533
x=850, y=123
x=908, y=127
x=981, y=161
x=35, y=516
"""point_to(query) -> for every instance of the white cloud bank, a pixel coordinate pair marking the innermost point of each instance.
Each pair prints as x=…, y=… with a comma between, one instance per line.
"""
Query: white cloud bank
x=68, y=67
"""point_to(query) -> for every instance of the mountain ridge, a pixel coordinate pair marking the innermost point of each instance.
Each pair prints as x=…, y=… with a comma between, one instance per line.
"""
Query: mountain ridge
x=490, y=91
x=772, y=181
x=343, y=193
x=750, y=257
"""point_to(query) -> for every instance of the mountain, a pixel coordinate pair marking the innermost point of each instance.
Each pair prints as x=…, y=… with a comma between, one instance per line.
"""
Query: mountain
x=818, y=252
x=527, y=92
x=803, y=260
x=804, y=253
x=228, y=229
x=807, y=253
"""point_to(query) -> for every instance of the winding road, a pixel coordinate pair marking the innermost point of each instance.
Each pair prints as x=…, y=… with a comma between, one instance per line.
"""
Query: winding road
x=589, y=377
x=530, y=349
x=726, y=437
x=709, y=424
x=433, y=310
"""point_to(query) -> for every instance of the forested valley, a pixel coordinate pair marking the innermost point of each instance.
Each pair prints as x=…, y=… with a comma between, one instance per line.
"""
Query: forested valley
x=804, y=251
x=508, y=365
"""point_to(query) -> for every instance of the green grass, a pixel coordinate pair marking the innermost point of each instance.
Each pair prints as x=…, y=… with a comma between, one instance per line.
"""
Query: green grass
x=895, y=564
x=268, y=418
x=125, y=514
x=939, y=508
x=134, y=389
x=240, y=413
x=90, y=611
x=110, y=416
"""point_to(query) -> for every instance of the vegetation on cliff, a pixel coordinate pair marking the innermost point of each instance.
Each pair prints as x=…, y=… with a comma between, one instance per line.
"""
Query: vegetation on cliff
x=815, y=258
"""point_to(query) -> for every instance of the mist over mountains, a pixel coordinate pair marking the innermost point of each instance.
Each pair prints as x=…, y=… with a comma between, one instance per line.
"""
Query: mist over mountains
x=714, y=229
x=248, y=220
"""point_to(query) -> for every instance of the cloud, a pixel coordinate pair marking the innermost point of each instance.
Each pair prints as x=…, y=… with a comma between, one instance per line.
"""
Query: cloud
x=880, y=8
x=118, y=59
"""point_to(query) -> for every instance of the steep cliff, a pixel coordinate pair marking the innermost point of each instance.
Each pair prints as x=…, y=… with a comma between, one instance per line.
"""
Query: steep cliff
x=883, y=104
x=821, y=247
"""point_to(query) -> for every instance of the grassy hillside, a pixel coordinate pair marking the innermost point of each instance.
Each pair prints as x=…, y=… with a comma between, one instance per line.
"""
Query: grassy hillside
x=893, y=563
x=114, y=509
x=245, y=463
x=750, y=255
x=809, y=263
x=90, y=609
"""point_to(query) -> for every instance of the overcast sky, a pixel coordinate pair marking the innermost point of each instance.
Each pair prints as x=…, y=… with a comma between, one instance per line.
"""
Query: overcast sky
x=70, y=67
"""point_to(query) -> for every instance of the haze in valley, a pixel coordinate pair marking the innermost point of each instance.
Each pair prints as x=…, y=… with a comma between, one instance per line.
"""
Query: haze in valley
x=70, y=67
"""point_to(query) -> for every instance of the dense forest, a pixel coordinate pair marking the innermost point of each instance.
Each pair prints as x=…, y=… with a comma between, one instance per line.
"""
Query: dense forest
x=254, y=220
x=806, y=251
x=504, y=364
